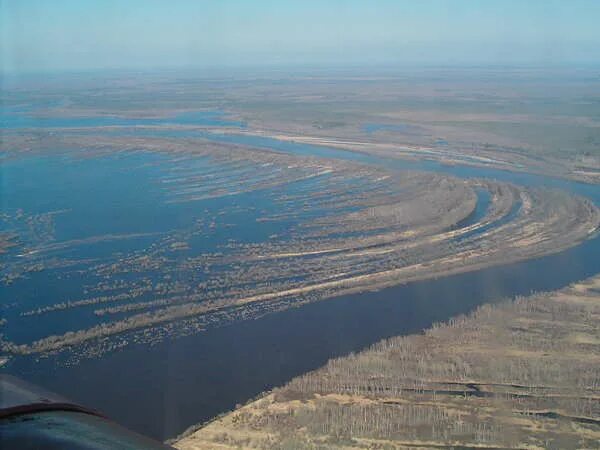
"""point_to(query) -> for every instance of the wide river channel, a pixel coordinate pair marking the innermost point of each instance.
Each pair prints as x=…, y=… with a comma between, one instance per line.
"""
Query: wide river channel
x=163, y=389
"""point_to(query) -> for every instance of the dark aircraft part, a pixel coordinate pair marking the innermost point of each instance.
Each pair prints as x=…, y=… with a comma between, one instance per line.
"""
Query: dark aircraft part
x=31, y=418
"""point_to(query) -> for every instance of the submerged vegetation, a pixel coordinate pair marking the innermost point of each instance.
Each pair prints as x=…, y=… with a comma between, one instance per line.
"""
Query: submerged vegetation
x=166, y=207
x=518, y=374
x=355, y=228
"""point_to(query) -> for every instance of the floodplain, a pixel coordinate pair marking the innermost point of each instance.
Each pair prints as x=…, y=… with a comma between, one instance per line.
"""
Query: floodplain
x=170, y=208
x=516, y=374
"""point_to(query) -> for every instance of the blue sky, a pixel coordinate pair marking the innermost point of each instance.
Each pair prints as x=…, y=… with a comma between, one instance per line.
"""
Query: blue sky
x=38, y=35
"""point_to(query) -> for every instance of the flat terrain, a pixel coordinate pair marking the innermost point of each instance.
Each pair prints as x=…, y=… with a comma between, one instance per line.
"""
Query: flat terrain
x=170, y=206
x=538, y=120
x=519, y=374
x=251, y=195
x=344, y=227
x=543, y=120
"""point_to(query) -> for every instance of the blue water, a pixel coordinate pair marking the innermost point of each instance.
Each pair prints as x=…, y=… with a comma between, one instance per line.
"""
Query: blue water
x=108, y=195
x=121, y=195
x=164, y=389
x=512, y=214
x=460, y=171
x=484, y=199
x=467, y=172
x=216, y=118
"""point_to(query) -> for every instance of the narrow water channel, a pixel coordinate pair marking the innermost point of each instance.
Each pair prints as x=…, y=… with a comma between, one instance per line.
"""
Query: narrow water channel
x=162, y=390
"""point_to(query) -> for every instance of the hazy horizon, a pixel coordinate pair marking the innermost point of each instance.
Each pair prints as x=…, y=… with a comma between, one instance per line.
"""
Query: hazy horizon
x=89, y=35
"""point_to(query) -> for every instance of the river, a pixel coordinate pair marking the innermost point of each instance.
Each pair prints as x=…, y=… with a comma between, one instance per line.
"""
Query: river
x=163, y=389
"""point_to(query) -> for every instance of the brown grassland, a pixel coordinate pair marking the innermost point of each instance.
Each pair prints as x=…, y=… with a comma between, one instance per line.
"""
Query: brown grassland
x=519, y=374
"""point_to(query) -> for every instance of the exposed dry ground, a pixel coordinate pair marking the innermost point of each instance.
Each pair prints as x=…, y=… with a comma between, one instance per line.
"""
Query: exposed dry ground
x=357, y=228
x=541, y=120
x=520, y=374
x=370, y=227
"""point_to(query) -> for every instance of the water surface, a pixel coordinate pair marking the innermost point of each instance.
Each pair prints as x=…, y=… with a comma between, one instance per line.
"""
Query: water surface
x=163, y=389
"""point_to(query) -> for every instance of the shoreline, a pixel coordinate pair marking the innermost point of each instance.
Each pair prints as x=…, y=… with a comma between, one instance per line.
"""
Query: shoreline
x=483, y=339
x=336, y=327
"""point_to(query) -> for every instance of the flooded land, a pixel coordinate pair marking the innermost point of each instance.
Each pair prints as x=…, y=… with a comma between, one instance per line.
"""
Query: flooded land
x=338, y=228
x=169, y=213
x=517, y=374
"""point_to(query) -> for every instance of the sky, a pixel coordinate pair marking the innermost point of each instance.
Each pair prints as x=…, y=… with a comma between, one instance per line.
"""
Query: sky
x=55, y=35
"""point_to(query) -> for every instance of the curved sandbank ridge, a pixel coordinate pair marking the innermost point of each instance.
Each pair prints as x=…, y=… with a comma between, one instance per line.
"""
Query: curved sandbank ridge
x=514, y=156
x=348, y=228
x=491, y=156
x=517, y=374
